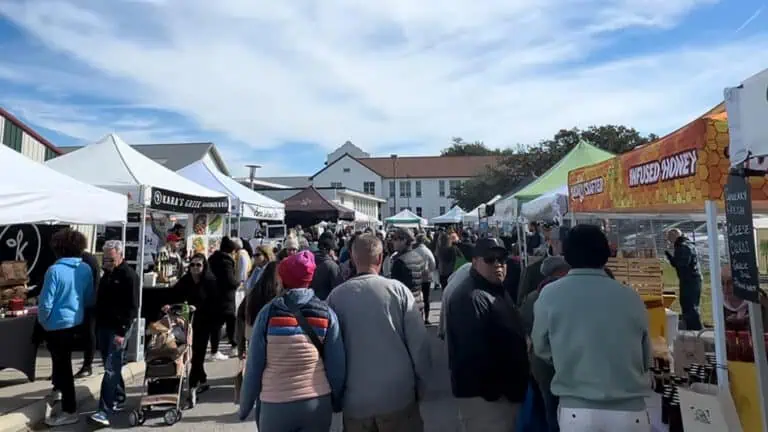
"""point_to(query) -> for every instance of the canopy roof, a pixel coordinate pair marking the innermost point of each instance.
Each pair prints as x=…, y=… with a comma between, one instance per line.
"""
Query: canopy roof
x=550, y=206
x=253, y=204
x=310, y=200
x=406, y=217
x=32, y=193
x=112, y=164
x=453, y=216
x=582, y=154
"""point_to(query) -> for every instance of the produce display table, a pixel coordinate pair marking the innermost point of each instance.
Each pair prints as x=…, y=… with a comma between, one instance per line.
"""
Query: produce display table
x=20, y=350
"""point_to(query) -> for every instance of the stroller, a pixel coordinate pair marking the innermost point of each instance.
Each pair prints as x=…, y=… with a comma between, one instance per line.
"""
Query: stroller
x=166, y=379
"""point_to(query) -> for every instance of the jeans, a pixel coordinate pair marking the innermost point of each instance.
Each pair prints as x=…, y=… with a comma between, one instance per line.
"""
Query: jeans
x=60, y=344
x=224, y=319
x=690, y=298
x=426, y=289
x=112, y=385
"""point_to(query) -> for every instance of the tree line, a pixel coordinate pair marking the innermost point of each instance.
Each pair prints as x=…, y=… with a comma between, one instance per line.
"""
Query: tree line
x=521, y=164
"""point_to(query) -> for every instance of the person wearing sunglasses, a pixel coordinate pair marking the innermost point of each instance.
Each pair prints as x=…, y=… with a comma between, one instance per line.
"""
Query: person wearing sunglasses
x=198, y=288
x=485, y=337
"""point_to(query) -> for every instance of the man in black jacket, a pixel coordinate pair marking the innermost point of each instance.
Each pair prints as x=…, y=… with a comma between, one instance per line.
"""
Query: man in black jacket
x=408, y=266
x=487, y=351
x=88, y=327
x=328, y=273
x=222, y=265
x=685, y=260
x=116, y=308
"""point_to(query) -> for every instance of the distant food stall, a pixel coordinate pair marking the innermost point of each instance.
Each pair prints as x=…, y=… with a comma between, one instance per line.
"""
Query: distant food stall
x=309, y=207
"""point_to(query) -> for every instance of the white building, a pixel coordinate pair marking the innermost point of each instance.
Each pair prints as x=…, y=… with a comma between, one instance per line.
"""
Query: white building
x=423, y=184
x=20, y=137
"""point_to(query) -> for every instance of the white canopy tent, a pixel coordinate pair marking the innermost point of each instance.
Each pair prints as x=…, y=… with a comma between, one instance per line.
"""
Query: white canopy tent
x=550, y=206
x=33, y=193
x=453, y=216
x=406, y=219
x=112, y=164
x=246, y=203
x=473, y=216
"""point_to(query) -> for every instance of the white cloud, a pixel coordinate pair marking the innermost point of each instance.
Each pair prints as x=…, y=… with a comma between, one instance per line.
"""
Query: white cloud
x=383, y=71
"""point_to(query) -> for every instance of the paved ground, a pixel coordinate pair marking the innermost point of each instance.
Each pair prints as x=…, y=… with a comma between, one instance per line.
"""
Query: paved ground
x=216, y=410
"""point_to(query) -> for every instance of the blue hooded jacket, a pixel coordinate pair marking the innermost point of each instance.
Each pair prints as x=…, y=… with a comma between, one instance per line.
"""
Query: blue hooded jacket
x=67, y=290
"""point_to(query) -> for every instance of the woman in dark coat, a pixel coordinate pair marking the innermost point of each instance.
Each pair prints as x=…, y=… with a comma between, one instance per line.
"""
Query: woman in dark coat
x=264, y=290
x=197, y=287
x=222, y=264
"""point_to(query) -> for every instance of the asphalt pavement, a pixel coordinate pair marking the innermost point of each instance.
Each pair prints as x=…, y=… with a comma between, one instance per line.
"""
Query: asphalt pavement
x=216, y=410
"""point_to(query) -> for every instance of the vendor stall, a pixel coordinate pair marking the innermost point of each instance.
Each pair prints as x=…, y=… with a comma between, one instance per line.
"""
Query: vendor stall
x=112, y=164
x=30, y=193
x=310, y=207
x=406, y=219
x=551, y=206
x=246, y=203
x=453, y=216
x=676, y=177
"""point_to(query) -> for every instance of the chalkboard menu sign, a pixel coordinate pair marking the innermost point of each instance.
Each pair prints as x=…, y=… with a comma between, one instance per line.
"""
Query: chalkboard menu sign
x=741, y=240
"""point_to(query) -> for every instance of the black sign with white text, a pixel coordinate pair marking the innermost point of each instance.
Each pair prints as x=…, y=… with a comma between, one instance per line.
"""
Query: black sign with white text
x=163, y=199
x=741, y=239
x=30, y=243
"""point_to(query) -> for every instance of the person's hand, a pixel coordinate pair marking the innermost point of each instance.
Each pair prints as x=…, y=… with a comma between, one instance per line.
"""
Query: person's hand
x=166, y=308
x=119, y=340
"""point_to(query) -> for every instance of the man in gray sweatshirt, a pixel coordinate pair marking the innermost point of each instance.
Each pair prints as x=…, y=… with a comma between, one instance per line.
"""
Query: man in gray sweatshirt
x=595, y=332
x=388, y=352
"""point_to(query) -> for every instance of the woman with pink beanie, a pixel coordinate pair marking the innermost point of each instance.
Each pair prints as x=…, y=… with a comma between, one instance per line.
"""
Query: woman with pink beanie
x=296, y=367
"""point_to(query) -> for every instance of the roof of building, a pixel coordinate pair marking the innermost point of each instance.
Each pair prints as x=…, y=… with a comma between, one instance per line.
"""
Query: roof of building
x=28, y=130
x=290, y=181
x=176, y=156
x=423, y=166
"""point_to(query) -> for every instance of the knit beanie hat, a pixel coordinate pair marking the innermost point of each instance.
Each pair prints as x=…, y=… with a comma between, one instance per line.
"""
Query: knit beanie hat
x=296, y=271
x=291, y=243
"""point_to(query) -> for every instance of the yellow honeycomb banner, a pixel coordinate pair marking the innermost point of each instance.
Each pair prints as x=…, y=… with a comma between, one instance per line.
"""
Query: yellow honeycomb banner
x=676, y=173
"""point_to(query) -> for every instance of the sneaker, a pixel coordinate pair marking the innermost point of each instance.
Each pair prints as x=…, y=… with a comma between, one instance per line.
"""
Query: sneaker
x=100, y=418
x=62, y=419
x=202, y=388
x=118, y=406
x=84, y=372
x=219, y=356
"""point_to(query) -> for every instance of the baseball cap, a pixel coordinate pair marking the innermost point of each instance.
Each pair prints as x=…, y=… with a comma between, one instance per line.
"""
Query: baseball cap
x=488, y=246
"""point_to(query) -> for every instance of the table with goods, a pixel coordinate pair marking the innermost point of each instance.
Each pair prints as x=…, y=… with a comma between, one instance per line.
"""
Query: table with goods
x=18, y=318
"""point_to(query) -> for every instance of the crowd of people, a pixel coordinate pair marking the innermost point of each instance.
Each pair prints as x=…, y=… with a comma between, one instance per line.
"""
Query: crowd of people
x=339, y=325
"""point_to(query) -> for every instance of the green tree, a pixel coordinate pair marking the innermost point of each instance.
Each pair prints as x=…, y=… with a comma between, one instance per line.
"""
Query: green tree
x=523, y=163
x=459, y=147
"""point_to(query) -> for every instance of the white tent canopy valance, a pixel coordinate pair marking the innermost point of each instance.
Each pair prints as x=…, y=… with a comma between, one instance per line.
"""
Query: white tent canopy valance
x=32, y=193
x=112, y=164
x=550, y=206
x=473, y=216
x=406, y=217
x=453, y=216
x=246, y=203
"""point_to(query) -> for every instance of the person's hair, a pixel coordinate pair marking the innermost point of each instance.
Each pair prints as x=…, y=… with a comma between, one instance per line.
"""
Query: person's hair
x=327, y=242
x=115, y=245
x=421, y=239
x=586, y=247
x=267, y=251
x=365, y=250
x=238, y=243
x=227, y=245
x=282, y=254
x=201, y=257
x=68, y=243
x=264, y=290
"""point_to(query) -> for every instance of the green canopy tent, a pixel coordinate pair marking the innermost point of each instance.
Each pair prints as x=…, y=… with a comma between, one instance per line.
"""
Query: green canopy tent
x=581, y=155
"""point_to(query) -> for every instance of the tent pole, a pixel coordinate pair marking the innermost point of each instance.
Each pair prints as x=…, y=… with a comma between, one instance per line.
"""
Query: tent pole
x=140, y=271
x=239, y=217
x=710, y=209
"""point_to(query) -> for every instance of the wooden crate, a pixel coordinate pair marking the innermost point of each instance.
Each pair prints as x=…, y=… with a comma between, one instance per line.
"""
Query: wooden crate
x=642, y=274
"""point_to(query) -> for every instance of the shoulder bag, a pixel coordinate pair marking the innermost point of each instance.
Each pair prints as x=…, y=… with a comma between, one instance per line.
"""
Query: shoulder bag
x=305, y=326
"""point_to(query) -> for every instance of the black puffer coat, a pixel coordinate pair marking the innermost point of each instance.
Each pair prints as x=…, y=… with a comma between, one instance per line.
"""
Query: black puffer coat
x=409, y=268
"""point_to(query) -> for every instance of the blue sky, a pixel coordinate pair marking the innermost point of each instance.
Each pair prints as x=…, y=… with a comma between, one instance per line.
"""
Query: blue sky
x=283, y=83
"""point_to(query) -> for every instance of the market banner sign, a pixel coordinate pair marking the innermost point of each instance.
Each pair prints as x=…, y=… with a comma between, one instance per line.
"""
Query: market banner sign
x=747, y=107
x=166, y=200
x=676, y=173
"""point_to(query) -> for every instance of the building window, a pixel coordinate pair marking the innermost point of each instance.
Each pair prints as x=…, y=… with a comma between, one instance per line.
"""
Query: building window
x=418, y=211
x=336, y=185
x=49, y=154
x=369, y=188
x=454, y=186
x=346, y=170
x=442, y=210
x=405, y=189
x=418, y=189
x=342, y=199
x=442, y=188
x=392, y=189
x=12, y=136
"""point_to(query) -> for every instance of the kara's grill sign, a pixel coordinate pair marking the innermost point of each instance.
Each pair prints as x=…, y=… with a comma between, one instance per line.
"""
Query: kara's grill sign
x=587, y=188
x=672, y=167
x=163, y=199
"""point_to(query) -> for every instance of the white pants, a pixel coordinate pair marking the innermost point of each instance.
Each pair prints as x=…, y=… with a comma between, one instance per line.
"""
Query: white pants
x=592, y=420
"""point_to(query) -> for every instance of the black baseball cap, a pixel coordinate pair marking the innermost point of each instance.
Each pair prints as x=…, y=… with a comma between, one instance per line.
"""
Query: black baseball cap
x=488, y=246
